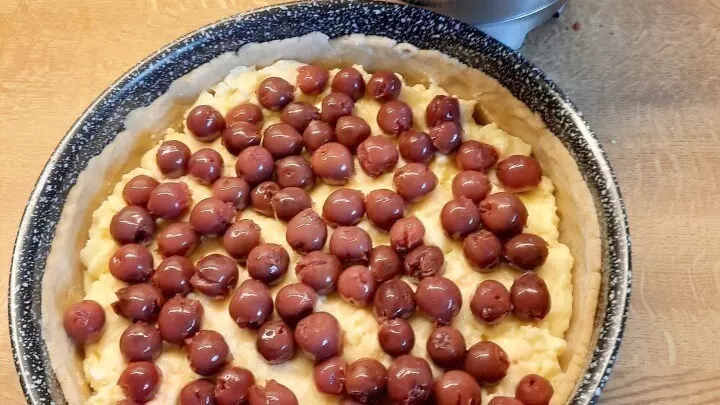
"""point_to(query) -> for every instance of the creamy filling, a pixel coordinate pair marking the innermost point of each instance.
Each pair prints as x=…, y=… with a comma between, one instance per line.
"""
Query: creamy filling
x=532, y=348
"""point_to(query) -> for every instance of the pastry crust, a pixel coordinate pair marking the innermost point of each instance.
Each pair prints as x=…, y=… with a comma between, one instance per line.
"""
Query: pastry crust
x=579, y=227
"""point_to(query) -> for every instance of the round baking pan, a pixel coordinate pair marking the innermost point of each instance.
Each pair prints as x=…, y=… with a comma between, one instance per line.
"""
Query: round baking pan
x=104, y=118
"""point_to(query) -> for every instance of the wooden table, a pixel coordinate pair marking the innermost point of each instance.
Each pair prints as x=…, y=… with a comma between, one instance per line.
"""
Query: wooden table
x=645, y=72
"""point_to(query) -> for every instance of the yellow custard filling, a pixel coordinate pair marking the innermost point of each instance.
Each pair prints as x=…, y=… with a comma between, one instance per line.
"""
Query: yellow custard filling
x=532, y=348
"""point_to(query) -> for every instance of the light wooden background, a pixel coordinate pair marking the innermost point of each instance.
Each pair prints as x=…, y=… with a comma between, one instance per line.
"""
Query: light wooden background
x=645, y=72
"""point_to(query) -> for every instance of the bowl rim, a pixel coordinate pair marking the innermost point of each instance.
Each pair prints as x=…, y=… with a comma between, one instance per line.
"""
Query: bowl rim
x=603, y=359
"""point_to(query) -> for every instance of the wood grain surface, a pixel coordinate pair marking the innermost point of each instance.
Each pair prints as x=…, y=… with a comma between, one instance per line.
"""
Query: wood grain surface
x=645, y=73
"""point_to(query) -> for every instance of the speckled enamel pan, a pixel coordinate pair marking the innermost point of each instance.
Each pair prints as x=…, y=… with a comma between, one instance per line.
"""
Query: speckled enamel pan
x=98, y=126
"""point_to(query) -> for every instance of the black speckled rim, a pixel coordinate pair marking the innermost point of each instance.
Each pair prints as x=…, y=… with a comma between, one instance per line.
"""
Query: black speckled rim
x=103, y=119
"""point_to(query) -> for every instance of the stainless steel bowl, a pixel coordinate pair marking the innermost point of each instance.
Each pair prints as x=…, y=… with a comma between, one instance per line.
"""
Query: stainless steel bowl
x=507, y=20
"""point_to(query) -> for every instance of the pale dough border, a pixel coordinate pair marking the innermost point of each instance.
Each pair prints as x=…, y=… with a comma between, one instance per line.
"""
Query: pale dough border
x=579, y=227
